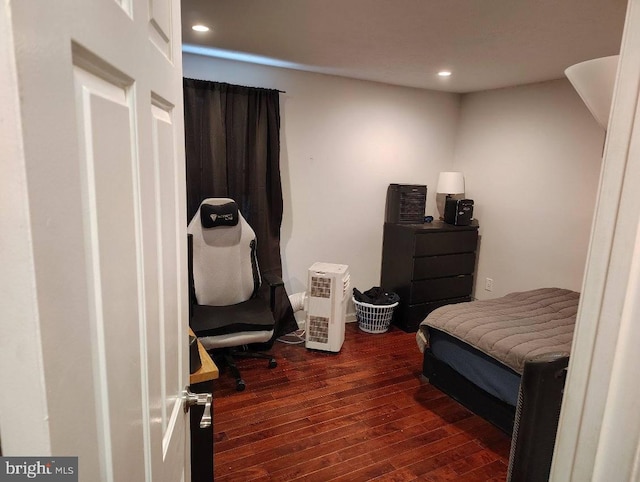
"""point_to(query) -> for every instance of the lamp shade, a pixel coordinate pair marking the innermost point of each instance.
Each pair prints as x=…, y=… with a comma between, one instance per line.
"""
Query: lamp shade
x=594, y=81
x=450, y=183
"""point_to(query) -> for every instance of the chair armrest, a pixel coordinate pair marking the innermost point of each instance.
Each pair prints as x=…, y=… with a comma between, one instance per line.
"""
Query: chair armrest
x=274, y=282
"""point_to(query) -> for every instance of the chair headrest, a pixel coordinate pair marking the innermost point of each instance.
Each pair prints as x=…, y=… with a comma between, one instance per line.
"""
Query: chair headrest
x=212, y=216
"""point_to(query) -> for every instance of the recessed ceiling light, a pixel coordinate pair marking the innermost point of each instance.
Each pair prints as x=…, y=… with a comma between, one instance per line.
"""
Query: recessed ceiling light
x=444, y=73
x=200, y=28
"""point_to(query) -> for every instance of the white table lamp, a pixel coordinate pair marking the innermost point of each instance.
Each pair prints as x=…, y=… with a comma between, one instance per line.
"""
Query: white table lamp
x=450, y=183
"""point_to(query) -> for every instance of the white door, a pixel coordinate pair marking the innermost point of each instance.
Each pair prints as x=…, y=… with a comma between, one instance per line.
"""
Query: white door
x=94, y=307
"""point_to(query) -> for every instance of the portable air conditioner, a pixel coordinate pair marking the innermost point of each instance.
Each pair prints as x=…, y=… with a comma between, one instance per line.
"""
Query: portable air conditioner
x=328, y=290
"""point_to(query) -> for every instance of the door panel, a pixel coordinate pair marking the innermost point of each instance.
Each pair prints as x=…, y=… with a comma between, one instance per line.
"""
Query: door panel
x=105, y=141
x=100, y=85
x=126, y=5
x=163, y=159
x=160, y=25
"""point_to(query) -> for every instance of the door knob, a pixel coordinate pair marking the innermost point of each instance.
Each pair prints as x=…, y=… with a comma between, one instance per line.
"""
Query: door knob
x=191, y=399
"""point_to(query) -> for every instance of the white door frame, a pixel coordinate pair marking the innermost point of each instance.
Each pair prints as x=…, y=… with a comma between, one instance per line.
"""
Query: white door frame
x=599, y=428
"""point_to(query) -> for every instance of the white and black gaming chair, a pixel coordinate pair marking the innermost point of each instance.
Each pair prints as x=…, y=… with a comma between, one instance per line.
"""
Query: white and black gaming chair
x=230, y=307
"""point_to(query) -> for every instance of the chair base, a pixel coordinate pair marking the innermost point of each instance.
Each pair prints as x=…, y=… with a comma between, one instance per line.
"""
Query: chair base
x=225, y=358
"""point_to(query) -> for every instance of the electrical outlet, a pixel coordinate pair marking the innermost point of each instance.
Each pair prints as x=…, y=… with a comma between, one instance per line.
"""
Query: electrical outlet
x=488, y=284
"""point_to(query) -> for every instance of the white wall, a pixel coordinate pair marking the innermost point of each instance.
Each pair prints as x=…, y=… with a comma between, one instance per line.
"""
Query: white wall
x=343, y=142
x=531, y=156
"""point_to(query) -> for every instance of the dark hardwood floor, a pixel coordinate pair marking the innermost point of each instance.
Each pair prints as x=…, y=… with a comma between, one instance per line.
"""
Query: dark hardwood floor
x=362, y=414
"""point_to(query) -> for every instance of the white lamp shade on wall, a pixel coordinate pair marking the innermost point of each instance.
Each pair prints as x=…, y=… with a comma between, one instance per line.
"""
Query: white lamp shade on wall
x=450, y=183
x=594, y=81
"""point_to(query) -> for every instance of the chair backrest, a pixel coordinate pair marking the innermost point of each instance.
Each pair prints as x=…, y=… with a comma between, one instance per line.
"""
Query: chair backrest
x=225, y=267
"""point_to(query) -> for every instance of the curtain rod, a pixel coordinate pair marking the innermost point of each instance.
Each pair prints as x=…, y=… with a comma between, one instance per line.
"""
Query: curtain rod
x=236, y=85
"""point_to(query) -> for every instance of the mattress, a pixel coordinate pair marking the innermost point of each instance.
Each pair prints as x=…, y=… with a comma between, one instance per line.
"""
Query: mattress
x=510, y=329
x=482, y=370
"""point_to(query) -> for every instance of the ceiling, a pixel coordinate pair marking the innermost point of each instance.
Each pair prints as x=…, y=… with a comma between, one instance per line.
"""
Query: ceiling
x=486, y=44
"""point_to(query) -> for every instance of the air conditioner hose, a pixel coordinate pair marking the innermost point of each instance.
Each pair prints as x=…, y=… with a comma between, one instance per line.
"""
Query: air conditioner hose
x=297, y=301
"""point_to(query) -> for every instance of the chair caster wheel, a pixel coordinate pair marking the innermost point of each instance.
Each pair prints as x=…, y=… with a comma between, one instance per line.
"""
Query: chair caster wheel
x=272, y=363
x=240, y=385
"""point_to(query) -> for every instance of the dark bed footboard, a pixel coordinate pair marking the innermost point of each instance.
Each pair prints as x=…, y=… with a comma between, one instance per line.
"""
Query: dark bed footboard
x=537, y=416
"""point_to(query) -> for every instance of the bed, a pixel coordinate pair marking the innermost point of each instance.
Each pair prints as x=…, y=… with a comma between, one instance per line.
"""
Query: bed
x=477, y=352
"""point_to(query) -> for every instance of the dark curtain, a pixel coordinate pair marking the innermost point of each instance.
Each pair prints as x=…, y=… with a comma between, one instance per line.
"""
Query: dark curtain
x=233, y=150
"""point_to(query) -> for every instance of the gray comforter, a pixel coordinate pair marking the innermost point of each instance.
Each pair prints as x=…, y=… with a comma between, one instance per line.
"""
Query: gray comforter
x=513, y=328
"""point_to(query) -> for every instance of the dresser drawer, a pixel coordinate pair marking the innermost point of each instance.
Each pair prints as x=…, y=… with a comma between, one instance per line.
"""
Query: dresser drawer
x=440, y=288
x=442, y=266
x=429, y=244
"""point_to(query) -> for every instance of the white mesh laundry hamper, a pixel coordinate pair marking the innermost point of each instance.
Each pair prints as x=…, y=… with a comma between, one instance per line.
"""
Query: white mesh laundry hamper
x=373, y=318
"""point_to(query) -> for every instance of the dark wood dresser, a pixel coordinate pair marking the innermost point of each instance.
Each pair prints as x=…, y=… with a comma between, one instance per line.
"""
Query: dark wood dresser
x=428, y=265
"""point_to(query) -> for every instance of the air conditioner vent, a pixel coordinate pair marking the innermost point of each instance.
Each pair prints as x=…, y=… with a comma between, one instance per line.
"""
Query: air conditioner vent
x=320, y=287
x=346, y=283
x=318, y=329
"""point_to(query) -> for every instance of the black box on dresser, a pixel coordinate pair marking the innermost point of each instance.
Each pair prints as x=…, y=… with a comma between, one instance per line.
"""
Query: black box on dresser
x=428, y=265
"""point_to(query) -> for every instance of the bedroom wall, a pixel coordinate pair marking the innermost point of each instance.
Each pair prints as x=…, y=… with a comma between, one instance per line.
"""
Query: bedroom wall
x=531, y=156
x=343, y=141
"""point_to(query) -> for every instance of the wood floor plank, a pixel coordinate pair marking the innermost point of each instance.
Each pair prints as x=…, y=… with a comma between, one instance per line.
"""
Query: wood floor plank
x=490, y=471
x=430, y=463
x=388, y=434
x=362, y=414
x=306, y=393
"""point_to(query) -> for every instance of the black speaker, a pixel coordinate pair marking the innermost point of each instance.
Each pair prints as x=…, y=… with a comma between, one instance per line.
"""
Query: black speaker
x=458, y=211
x=405, y=203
